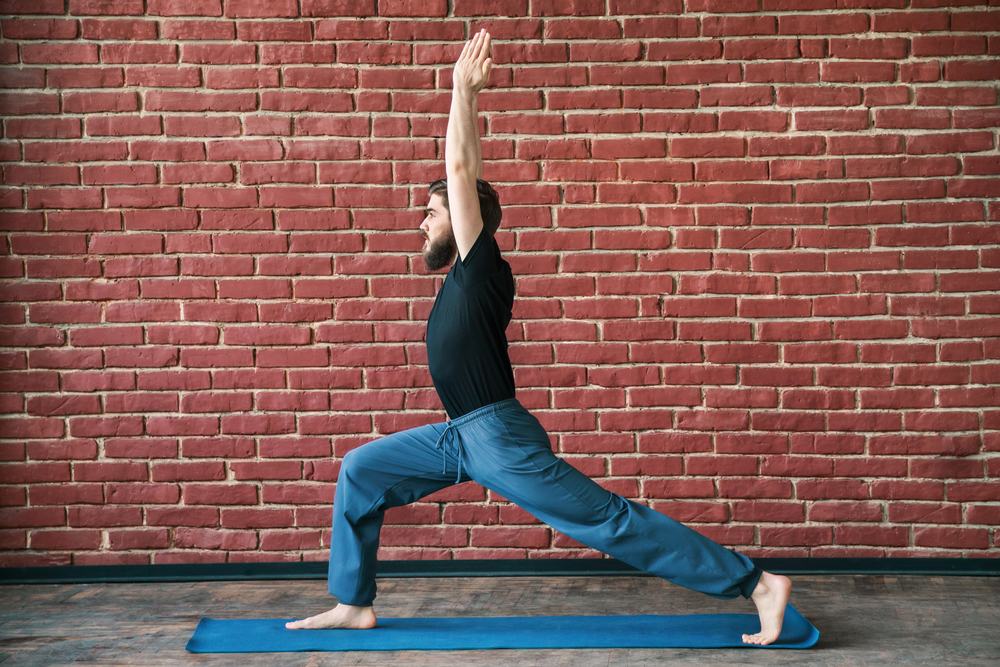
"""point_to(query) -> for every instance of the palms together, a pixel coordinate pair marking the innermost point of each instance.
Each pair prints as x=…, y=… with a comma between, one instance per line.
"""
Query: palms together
x=472, y=71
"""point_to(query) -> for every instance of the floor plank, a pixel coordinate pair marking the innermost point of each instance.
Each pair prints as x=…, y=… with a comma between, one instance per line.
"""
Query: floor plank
x=863, y=620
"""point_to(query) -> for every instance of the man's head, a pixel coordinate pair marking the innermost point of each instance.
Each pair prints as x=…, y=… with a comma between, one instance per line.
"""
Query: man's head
x=440, y=249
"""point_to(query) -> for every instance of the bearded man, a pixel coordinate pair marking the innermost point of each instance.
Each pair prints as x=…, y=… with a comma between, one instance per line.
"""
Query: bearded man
x=490, y=437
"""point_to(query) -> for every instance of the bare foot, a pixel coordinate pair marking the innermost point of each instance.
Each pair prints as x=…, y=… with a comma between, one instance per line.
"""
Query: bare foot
x=770, y=596
x=341, y=616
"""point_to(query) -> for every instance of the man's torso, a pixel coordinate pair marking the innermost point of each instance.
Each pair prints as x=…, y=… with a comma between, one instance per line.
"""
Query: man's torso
x=466, y=331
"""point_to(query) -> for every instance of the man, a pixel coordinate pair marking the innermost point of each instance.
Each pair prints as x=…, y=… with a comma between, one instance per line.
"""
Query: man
x=490, y=438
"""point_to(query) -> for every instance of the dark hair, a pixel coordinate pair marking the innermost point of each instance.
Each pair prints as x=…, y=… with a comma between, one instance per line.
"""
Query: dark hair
x=489, y=202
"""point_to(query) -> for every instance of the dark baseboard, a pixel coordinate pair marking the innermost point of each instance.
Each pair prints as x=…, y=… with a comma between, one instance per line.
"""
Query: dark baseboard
x=86, y=574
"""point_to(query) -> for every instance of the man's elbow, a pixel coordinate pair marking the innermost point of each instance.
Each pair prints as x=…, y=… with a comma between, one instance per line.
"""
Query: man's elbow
x=460, y=169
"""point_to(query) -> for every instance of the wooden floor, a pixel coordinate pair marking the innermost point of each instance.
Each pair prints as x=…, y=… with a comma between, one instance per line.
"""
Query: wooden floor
x=863, y=620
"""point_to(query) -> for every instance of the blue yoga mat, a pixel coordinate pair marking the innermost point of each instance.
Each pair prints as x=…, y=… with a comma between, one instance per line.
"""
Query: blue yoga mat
x=545, y=632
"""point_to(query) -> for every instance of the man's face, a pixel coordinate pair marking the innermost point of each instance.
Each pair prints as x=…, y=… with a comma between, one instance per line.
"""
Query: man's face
x=440, y=247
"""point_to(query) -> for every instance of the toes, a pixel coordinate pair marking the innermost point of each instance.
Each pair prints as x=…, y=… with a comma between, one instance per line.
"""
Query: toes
x=758, y=640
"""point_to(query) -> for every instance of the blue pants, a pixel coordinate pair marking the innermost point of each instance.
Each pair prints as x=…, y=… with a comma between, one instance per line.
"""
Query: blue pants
x=504, y=448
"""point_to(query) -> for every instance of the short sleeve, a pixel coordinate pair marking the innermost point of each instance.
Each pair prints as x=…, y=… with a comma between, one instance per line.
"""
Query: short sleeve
x=481, y=263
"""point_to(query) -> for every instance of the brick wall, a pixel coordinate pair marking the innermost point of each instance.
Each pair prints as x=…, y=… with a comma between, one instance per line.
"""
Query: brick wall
x=757, y=258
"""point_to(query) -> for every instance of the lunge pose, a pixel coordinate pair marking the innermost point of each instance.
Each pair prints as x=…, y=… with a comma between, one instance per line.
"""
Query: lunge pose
x=490, y=437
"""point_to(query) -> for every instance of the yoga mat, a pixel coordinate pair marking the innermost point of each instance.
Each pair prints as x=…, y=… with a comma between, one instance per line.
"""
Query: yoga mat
x=546, y=632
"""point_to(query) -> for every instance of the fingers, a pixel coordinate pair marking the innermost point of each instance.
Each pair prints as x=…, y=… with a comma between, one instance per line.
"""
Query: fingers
x=479, y=46
x=465, y=52
x=469, y=52
x=487, y=51
x=472, y=69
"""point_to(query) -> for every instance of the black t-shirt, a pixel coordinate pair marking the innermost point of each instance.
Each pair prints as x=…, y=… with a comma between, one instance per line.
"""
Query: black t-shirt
x=466, y=339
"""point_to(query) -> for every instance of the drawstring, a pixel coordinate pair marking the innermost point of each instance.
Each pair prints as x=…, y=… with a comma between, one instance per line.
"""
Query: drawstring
x=452, y=429
x=444, y=451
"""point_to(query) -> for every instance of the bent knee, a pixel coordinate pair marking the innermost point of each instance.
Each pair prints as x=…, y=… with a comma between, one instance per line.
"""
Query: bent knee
x=356, y=465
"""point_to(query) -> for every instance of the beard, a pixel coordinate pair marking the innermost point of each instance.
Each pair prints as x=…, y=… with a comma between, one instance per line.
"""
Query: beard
x=441, y=252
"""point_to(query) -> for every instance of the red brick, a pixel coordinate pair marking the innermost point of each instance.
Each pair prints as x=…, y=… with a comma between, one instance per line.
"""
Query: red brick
x=822, y=24
x=949, y=143
x=185, y=8
x=219, y=54
x=104, y=517
x=196, y=30
x=52, y=128
x=846, y=120
x=892, y=48
x=874, y=535
x=954, y=538
x=40, y=29
x=60, y=53
x=65, y=539
x=424, y=536
x=772, y=512
x=139, y=539
x=921, y=21
x=796, y=536
x=985, y=70
x=974, y=118
x=971, y=491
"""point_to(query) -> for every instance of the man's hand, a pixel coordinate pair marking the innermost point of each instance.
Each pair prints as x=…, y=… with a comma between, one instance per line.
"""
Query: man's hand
x=472, y=71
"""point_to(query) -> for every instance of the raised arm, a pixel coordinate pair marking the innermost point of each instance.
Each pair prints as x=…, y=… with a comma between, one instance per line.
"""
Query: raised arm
x=463, y=153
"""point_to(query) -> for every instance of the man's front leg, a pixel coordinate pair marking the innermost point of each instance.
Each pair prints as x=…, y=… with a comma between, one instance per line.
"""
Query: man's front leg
x=391, y=471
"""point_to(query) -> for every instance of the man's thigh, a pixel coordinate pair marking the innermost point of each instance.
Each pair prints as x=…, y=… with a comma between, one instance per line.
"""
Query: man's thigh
x=395, y=470
x=517, y=461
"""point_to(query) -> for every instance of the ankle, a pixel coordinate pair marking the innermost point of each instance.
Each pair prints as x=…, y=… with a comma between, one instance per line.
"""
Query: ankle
x=356, y=612
x=762, y=588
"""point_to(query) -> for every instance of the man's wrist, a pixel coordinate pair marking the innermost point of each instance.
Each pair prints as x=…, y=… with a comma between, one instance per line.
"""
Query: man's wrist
x=465, y=94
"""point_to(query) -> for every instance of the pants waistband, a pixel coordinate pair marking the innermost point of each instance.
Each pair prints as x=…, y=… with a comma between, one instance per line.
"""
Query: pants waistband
x=451, y=433
x=485, y=411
